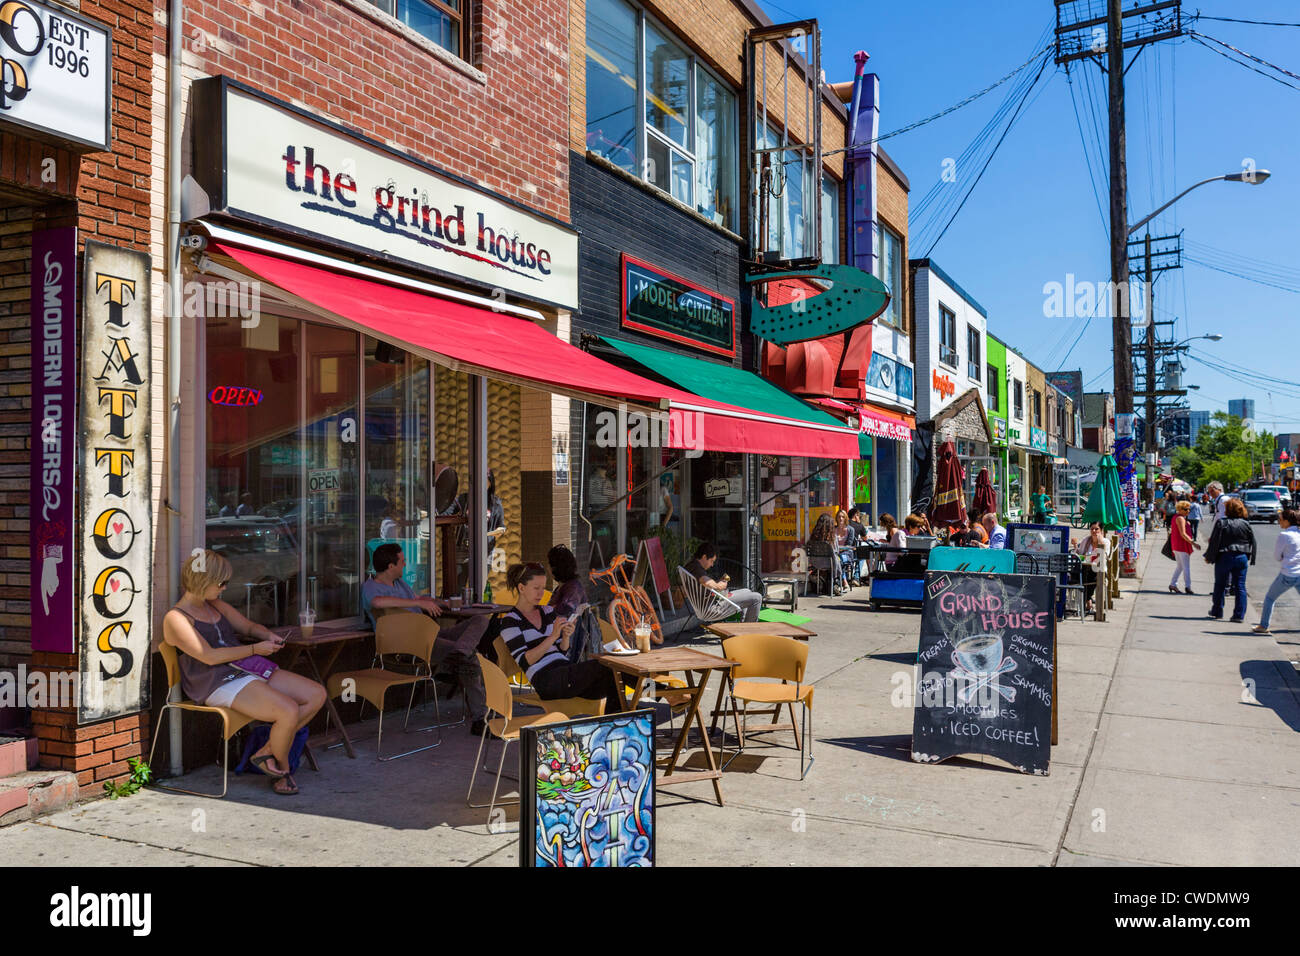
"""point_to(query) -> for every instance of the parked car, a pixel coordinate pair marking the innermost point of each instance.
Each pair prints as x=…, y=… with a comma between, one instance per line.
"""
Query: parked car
x=1261, y=504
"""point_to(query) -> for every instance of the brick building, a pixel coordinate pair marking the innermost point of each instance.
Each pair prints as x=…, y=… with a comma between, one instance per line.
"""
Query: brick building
x=74, y=177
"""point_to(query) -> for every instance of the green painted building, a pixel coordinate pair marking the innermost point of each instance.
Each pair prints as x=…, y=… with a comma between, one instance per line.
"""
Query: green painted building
x=996, y=351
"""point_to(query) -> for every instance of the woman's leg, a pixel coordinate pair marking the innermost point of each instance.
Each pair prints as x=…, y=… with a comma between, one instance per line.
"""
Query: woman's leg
x=1220, y=586
x=590, y=679
x=1178, y=568
x=1240, y=565
x=1279, y=587
x=261, y=701
x=309, y=694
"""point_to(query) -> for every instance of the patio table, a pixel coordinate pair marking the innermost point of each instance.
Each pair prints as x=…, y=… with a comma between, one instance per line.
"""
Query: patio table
x=694, y=664
x=332, y=638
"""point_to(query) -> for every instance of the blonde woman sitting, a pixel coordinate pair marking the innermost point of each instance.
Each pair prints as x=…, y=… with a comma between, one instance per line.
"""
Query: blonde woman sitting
x=207, y=631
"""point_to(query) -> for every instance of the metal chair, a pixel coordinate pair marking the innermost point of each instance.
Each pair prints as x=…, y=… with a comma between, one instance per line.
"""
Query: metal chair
x=231, y=721
x=1027, y=563
x=821, y=562
x=706, y=604
x=1071, y=567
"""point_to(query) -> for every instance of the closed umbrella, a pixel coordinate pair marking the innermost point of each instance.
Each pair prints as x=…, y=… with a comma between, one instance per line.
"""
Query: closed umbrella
x=986, y=499
x=1104, y=502
x=949, y=492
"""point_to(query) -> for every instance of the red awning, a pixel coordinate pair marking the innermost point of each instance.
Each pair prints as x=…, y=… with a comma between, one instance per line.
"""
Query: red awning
x=873, y=420
x=481, y=341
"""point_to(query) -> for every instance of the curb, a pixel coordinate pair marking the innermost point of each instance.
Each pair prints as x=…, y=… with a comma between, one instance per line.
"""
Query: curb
x=24, y=796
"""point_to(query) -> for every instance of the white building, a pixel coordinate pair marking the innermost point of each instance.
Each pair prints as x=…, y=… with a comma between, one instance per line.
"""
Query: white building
x=950, y=340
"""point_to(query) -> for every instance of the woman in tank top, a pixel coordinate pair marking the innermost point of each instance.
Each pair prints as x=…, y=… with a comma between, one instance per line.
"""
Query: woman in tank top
x=205, y=630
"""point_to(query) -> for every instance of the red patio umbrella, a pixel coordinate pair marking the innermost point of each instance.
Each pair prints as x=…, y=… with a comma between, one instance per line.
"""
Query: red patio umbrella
x=986, y=499
x=949, y=494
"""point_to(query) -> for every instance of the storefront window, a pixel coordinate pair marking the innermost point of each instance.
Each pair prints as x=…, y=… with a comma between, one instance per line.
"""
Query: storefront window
x=397, y=458
x=255, y=463
x=793, y=493
x=452, y=473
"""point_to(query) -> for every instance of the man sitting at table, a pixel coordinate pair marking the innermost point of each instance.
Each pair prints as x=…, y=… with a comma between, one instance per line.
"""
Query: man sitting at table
x=457, y=643
x=706, y=556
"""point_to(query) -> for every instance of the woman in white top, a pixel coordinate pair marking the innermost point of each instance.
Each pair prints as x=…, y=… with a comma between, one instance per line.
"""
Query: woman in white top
x=1287, y=553
x=1092, y=550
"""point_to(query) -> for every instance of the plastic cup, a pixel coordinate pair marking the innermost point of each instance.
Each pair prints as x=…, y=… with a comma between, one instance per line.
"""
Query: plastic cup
x=307, y=622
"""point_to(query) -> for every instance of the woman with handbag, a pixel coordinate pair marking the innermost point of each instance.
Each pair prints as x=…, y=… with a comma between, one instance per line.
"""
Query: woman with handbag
x=1231, y=550
x=1092, y=552
x=219, y=671
x=1180, y=544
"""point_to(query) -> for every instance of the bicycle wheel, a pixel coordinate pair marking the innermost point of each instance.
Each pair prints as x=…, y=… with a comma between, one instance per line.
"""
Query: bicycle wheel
x=641, y=606
x=624, y=620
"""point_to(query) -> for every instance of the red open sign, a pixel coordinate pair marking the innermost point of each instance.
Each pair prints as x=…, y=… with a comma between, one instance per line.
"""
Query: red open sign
x=236, y=395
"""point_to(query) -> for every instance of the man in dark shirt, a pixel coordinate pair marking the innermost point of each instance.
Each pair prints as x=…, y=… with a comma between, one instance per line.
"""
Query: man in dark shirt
x=706, y=556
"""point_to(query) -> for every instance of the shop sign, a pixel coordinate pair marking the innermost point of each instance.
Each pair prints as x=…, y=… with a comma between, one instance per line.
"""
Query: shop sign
x=891, y=376
x=238, y=396
x=1038, y=439
x=717, y=488
x=1014, y=433
x=1000, y=430
x=267, y=162
x=114, y=479
x=878, y=426
x=322, y=480
x=1056, y=447
x=662, y=304
x=55, y=67
x=783, y=523
x=944, y=385
x=54, y=409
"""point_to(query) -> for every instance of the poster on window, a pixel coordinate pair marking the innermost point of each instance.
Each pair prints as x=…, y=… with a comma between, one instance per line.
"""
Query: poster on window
x=115, y=520
x=588, y=792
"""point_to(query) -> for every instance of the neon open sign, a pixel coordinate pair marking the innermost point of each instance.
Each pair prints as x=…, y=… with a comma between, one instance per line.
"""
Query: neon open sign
x=236, y=395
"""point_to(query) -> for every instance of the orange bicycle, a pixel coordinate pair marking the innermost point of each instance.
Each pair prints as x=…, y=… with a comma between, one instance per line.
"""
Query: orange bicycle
x=630, y=603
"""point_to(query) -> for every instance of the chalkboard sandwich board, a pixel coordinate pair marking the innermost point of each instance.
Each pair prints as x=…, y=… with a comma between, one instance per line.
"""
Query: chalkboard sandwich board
x=984, y=668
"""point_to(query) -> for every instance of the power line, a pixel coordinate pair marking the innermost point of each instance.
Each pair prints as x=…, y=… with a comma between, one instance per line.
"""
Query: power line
x=1260, y=23
x=1198, y=38
x=1239, y=275
x=1087, y=154
x=996, y=146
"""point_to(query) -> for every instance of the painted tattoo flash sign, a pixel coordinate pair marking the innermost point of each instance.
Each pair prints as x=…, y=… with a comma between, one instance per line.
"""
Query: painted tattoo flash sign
x=985, y=668
x=114, y=477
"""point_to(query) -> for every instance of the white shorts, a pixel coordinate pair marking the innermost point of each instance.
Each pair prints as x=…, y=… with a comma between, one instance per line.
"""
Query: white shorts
x=224, y=696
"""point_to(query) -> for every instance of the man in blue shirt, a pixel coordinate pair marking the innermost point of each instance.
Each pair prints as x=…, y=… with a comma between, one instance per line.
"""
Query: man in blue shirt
x=456, y=644
x=997, y=533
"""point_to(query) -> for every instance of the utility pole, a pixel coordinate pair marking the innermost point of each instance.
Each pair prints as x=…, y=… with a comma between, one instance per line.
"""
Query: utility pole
x=1149, y=305
x=1122, y=330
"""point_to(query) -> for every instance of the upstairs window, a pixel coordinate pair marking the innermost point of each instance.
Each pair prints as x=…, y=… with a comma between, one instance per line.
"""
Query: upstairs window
x=889, y=270
x=973, y=353
x=947, y=337
x=993, y=383
x=1018, y=389
x=445, y=22
x=656, y=112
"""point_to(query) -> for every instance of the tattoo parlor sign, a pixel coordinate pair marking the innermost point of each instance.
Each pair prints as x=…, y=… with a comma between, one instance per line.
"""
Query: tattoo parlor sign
x=265, y=161
x=986, y=668
x=54, y=410
x=115, y=481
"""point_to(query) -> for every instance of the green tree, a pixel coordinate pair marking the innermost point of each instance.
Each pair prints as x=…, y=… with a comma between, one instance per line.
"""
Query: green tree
x=1226, y=451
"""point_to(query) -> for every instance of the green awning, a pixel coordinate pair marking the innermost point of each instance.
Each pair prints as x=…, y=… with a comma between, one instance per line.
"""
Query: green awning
x=726, y=383
x=864, y=445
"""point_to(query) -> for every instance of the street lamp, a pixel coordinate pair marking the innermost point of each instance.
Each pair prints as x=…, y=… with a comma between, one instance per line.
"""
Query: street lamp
x=1252, y=178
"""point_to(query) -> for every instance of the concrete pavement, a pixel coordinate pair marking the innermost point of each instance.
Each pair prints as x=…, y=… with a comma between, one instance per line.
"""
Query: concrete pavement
x=1160, y=761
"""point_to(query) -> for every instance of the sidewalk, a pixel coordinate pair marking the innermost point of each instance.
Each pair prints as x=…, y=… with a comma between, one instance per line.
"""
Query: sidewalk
x=1153, y=733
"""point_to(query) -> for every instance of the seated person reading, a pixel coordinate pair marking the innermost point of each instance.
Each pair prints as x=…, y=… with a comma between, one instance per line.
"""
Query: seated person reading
x=706, y=556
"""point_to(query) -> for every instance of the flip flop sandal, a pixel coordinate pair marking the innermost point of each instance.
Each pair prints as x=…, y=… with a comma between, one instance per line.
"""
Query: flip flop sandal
x=279, y=786
x=261, y=764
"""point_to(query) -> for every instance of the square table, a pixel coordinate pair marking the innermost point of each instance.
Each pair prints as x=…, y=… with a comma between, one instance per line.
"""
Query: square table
x=643, y=667
x=323, y=636
x=780, y=629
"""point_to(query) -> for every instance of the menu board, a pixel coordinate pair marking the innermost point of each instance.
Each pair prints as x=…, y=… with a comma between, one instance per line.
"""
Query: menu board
x=985, y=668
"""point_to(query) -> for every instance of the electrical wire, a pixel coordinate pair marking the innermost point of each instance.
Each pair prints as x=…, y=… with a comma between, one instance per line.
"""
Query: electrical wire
x=1197, y=37
x=1087, y=155
x=1240, y=275
x=1260, y=23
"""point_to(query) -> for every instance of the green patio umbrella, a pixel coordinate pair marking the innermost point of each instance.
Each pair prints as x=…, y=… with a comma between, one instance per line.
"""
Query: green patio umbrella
x=1104, y=502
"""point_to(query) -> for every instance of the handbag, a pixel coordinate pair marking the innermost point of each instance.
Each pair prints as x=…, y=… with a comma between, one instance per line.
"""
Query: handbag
x=256, y=665
x=1168, y=549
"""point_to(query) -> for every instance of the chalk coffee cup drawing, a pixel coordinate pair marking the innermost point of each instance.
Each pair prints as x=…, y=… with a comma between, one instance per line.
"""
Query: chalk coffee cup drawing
x=980, y=657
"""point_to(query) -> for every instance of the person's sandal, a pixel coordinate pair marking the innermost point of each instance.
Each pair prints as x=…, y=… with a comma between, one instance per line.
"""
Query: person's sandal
x=285, y=786
x=1261, y=629
x=261, y=764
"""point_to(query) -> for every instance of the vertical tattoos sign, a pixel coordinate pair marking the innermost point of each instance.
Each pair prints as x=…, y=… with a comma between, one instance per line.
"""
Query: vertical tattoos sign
x=54, y=406
x=114, y=479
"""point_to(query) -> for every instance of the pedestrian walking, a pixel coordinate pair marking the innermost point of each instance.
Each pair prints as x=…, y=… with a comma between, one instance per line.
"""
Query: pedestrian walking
x=1287, y=553
x=1193, y=516
x=1182, y=543
x=1231, y=550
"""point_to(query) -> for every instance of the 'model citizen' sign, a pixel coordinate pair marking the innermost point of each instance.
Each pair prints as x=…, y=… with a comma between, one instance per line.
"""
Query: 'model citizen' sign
x=54, y=72
x=662, y=304
x=267, y=162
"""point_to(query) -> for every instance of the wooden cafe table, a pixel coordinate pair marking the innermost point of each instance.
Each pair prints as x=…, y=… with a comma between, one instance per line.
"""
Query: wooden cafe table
x=330, y=639
x=736, y=628
x=697, y=666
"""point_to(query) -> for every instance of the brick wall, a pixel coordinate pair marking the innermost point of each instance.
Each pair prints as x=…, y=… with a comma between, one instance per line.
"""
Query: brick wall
x=15, y=433
x=498, y=121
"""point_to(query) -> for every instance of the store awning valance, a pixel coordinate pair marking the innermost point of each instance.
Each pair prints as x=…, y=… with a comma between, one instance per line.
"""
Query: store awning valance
x=482, y=341
x=718, y=382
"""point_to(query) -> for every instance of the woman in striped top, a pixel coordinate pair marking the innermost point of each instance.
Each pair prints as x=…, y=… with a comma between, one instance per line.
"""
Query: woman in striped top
x=538, y=639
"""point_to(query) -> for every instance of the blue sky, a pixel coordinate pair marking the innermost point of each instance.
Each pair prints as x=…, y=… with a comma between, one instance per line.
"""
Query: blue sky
x=1034, y=218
